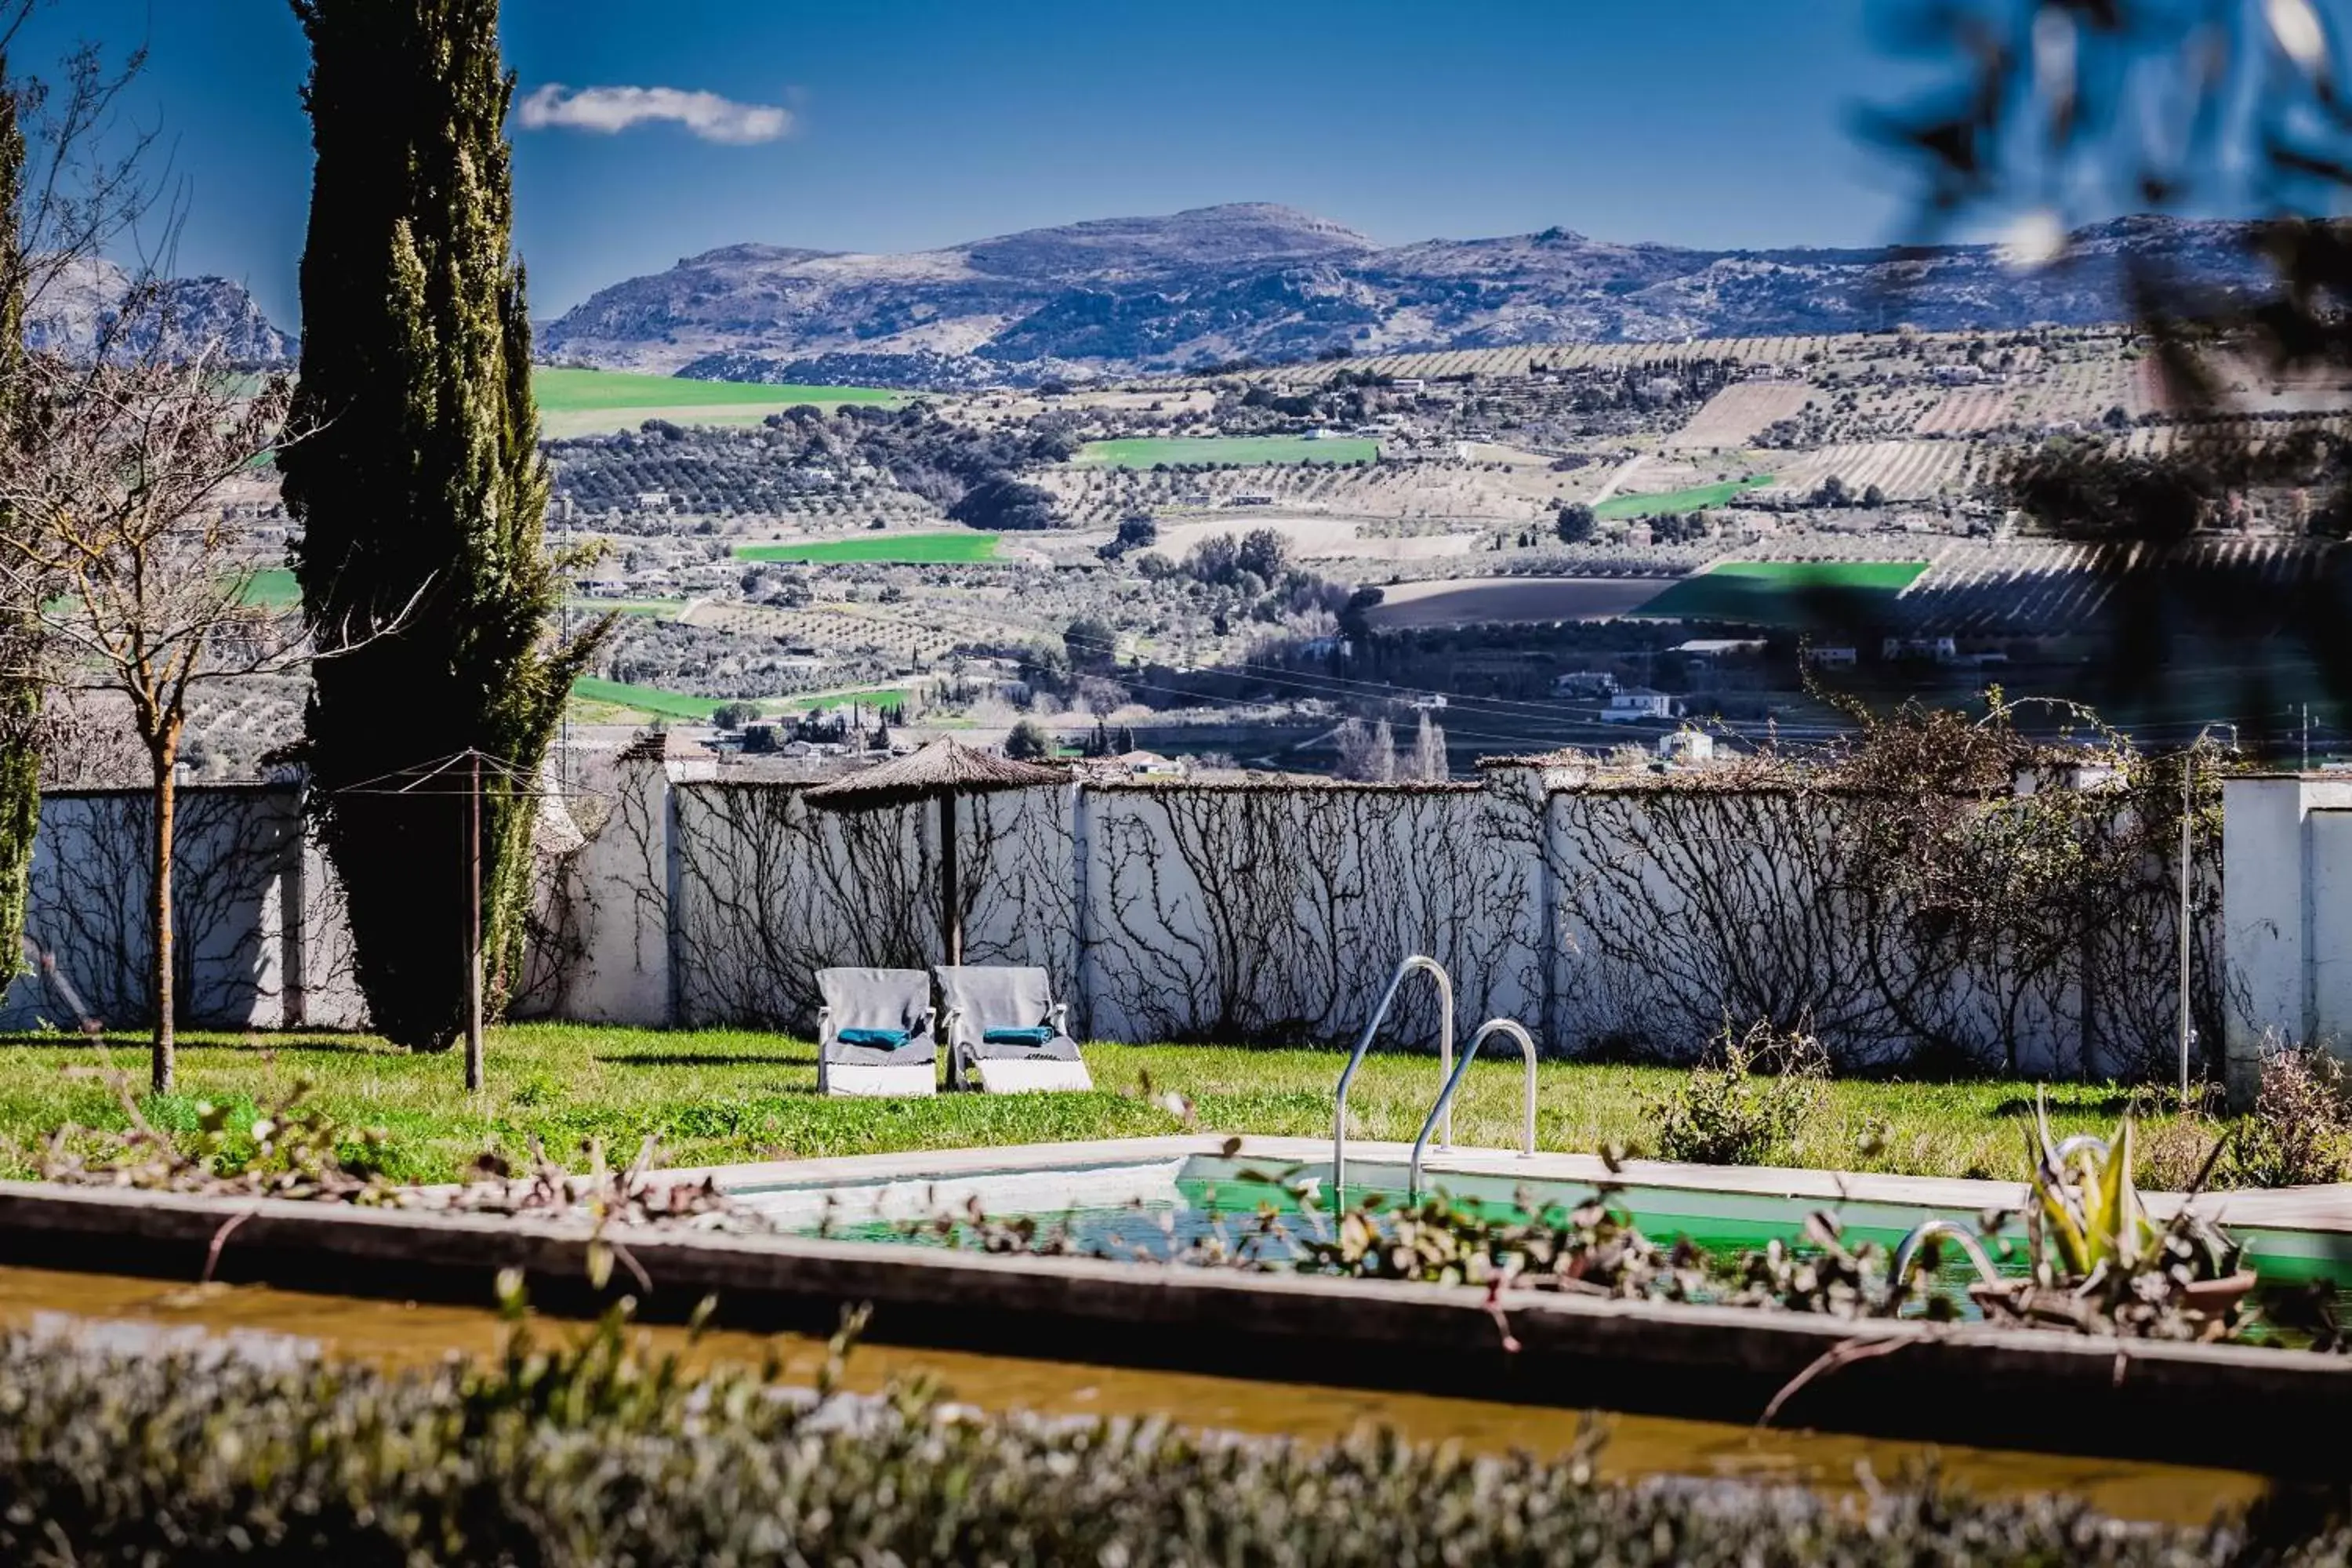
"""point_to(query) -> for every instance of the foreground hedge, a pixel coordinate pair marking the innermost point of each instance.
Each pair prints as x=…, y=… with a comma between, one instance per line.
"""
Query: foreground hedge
x=592, y=1454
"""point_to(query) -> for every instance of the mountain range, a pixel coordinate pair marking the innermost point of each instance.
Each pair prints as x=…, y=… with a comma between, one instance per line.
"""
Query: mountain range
x=1270, y=283
x=1212, y=285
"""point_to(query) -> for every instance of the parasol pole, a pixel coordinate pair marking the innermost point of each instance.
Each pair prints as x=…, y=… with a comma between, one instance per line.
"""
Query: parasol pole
x=473, y=933
x=951, y=907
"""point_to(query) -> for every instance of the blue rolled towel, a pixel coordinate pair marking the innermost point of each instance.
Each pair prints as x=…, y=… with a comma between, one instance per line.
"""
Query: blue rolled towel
x=1036, y=1037
x=884, y=1038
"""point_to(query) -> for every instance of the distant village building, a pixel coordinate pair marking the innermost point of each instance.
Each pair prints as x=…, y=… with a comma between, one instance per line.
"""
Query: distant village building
x=1692, y=747
x=1937, y=650
x=1585, y=683
x=2034, y=777
x=1151, y=765
x=1636, y=704
x=1827, y=658
x=1138, y=765
x=1708, y=650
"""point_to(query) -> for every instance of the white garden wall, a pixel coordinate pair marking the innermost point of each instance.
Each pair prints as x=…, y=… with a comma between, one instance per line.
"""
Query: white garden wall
x=1637, y=920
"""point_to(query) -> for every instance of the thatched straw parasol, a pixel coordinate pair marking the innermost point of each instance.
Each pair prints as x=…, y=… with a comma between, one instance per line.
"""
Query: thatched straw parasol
x=942, y=771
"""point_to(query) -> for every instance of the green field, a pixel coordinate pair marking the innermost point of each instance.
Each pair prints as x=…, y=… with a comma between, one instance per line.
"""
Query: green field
x=825, y=701
x=1147, y=451
x=586, y=390
x=1785, y=592
x=273, y=585
x=1697, y=498
x=604, y=401
x=908, y=549
x=644, y=698
x=660, y=609
x=656, y=703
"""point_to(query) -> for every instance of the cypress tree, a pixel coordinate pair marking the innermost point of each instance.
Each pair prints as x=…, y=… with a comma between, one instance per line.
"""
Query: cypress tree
x=20, y=685
x=421, y=494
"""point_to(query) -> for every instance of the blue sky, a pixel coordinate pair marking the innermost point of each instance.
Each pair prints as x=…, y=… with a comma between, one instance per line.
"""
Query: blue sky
x=920, y=122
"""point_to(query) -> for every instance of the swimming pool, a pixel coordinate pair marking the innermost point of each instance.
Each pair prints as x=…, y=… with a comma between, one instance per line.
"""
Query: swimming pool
x=1145, y=1193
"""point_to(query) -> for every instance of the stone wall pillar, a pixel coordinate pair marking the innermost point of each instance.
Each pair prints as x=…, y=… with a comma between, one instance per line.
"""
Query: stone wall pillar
x=2286, y=916
x=627, y=887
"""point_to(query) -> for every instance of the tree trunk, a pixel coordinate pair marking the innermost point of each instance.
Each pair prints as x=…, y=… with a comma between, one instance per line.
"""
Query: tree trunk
x=164, y=752
x=951, y=895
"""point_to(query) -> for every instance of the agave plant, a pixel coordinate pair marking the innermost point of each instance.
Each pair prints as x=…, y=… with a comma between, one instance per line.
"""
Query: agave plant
x=2088, y=1212
x=2102, y=1266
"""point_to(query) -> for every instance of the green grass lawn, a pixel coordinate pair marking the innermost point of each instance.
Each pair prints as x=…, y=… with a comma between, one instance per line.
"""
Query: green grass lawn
x=912, y=549
x=589, y=391
x=1144, y=451
x=1785, y=592
x=1696, y=498
x=720, y=1097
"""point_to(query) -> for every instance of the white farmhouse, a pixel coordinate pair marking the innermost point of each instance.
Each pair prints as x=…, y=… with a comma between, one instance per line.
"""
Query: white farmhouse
x=1637, y=704
x=1693, y=747
x=1583, y=683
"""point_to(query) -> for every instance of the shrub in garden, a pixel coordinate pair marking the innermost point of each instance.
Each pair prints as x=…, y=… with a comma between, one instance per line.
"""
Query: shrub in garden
x=595, y=1454
x=2300, y=1130
x=1743, y=1103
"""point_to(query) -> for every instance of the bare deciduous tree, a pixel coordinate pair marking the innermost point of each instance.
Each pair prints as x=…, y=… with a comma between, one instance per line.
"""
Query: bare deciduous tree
x=143, y=584
x=1366, y=754
x=1429, y=761
x=83, y=225
x=92, y=219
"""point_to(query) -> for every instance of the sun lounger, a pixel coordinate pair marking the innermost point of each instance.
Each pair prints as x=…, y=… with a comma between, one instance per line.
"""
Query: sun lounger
x=1005, y=1029
x=876, y=1033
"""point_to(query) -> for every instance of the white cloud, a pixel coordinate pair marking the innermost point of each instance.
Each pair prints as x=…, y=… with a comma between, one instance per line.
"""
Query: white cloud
x=611, y=109
x=2300, y=36
x=2033, y=239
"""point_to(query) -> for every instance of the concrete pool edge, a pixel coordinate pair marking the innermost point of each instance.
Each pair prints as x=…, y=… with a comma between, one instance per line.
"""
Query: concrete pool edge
x=2327, y=1209
x=1981, y=1387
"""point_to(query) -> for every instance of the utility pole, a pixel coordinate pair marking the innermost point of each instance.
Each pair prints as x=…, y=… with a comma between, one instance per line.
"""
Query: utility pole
x=564, y=740
x=2188, y=809
x=474, y=929
x=2306, y=736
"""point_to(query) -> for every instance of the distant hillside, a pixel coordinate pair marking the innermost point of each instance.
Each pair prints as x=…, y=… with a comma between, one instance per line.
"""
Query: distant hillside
x=1270, y=283
x=74, y=313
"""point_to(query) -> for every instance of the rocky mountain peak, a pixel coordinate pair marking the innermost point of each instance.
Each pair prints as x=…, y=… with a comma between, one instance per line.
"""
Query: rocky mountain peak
x=1239, y=232
x=84, y=307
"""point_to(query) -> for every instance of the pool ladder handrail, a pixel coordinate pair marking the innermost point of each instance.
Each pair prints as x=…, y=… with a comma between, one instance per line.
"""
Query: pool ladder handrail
x=1445, y=1105
x=2068, y=1147
x=1908, y=1250
x=1347, y=1074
